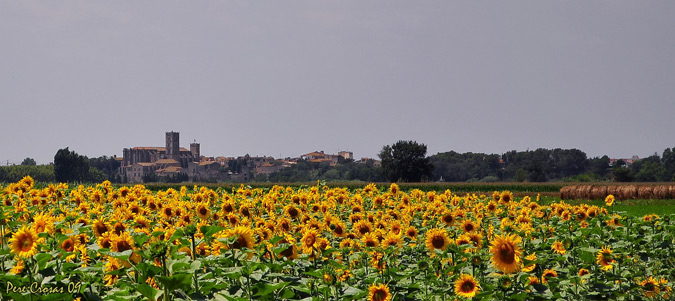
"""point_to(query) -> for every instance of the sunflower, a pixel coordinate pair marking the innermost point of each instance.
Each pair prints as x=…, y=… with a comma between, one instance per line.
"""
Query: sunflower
x=292, y=212
x=349, y=243
x=118, y=228
x=377, y=261
x=592, y=212
x=558, y=247
x=309, y=240
x=168, y=212
x=314, y=224
x=615, y=221
x=393, y=189
x=68, y=245
x=203, y=211
x=411, y=232
x=113, y=264
x=506, y=253
x=505, y=197
x=24, y=242
x=121, y=243
x=395, y=227
x=530, y=268
x=448, y=218
x=495, y=196
x=142, y=222
x=379, y=293
x=43, y=223
x=468, y=226
x=291, y=252
x=609, y=200
x=532, y=280
x=548, y=274
x=245, y=211
x=437, y=239
x=338, y=228
x=104, y=241
x=100, y=227
x=370, y=240
x=244, y=237
x=583, y=272
x=650, y=287
x=463, y=240
x=466, y=286
x=202, y=249
x=362, y=227
x=391, y=240
x=491, y=206
x=284, y=224
x=18, y=267
x=233, y=219
x=581, y=215
x=605, y=259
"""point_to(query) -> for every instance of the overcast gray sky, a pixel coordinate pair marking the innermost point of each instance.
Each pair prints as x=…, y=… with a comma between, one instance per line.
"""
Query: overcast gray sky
x=284, y=78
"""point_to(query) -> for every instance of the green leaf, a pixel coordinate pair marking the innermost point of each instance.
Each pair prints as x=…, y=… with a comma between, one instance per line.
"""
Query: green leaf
x=176, y=235
x=148, y=291
x=351, y=291
x=264, y=289
x=287, y=294
x=176, y=281
x=140, y=239
x=42, y=259
x=210, y=230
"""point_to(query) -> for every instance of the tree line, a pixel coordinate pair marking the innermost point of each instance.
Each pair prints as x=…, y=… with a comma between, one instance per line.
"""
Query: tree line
x=68, y=166
x=406, y=161
x=403, y=161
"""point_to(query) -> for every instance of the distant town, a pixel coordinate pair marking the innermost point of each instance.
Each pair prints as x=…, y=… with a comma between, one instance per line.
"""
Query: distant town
x=404, y=161
x=149, y=164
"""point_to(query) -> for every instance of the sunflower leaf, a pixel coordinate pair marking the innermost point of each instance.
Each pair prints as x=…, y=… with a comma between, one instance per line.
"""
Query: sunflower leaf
x=208, y=231
x=175, y=281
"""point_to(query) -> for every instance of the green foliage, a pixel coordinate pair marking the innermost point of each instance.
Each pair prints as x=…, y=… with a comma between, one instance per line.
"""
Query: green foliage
x=345, y=170
x=406, y=161
x=622, y=174
x=456, y=167
x=651, y=172
x=29, y=161
x=70, y=167
x=107, y=166
x=40, y=173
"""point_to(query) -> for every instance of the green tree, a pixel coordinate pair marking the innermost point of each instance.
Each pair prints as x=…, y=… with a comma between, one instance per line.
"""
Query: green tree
x=651, y=172
x=406, y=161
x=29, y=161
x=108, y=166
x=622, y=174
x=70, y=167
x=668, y=160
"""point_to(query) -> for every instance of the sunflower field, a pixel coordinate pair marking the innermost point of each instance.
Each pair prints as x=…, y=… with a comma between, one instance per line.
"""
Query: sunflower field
x=102, y=242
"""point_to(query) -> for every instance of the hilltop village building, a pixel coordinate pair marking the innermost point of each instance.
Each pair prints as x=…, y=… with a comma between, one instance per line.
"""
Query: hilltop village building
x=139, y=163
x=172, y=162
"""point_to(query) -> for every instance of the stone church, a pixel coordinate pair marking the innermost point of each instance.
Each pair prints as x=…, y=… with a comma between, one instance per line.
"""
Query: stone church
x=139, y=162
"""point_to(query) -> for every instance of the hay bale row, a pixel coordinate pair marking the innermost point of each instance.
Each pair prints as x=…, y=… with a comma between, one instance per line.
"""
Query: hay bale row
x=662, y=192
x=621, y=192
x=627, y=192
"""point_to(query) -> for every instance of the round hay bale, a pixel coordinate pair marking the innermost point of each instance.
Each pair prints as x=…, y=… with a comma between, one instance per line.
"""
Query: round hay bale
x=585, y=192
x=565, y=192
x=661, y=192
x=646, y=192
x=671, y=192
x=613, y=190
x=570, y=192
x=598, y=192
x=627, y=192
